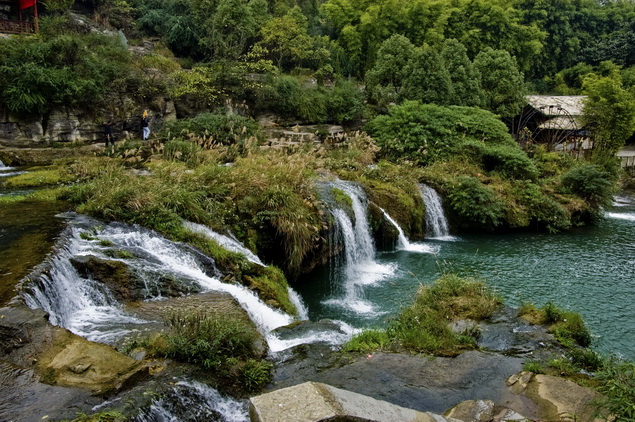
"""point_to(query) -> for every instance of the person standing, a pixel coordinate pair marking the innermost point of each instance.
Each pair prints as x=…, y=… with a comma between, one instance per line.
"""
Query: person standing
x=145, y=125
x=108, y=136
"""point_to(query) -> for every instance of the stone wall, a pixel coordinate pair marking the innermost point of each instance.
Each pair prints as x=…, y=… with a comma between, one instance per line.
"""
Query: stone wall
x=77, y=126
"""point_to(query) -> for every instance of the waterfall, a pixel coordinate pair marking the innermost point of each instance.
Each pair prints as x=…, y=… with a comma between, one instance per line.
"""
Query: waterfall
x=194, y=401
x=234, y=245
x=360, y=267
x=87, y=307
x=436, y=223
x=5, y=171
x=224, y=241
x=402, y=241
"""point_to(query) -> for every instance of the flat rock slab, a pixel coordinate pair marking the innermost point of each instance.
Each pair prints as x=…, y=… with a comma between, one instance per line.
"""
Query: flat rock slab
x=315, y=402
x=412, y=381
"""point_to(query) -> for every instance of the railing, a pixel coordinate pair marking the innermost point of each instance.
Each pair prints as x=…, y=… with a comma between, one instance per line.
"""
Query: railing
x=17, y=27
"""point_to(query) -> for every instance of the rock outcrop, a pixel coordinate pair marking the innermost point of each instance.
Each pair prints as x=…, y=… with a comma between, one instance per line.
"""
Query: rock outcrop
x=556, y=398
x=60, y=357
x=315, y=402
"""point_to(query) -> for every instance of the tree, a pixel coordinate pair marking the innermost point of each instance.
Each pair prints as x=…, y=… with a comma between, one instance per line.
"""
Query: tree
x=501, y=81
x=463, y=75
x=609, y=112
x=428, y=79
x=286, y=39
x=231, y=26
x=392, y=66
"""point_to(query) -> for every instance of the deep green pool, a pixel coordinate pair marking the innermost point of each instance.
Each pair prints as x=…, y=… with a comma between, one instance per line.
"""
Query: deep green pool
x=590, y=270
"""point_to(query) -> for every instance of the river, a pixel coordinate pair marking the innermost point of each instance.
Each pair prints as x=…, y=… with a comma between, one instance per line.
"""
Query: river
x=590, y=270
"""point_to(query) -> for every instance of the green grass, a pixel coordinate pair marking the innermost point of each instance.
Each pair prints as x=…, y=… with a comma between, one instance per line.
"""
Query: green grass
x=423, y=327
x=567, y=327
x=37, y=177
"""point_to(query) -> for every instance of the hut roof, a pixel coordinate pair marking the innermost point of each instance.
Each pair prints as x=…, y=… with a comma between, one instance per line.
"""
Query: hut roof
x=552, y=105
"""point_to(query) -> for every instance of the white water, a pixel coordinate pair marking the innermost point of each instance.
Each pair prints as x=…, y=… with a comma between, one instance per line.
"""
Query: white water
x=196, y=400
x=235, y=246
x=224, y=241
x=88, y=308
x=83, y=306
x=300, y=306
x=620, y=216
x=436, y=223
x=404, y=244
x=361, y=269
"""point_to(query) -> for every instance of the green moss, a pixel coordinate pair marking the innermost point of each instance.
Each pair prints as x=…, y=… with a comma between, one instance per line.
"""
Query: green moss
x=341, y=198
x=272, y=287
x=38, y=177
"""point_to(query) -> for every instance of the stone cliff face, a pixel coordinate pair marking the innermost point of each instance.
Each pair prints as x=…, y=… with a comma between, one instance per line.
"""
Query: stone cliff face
x=72, y=125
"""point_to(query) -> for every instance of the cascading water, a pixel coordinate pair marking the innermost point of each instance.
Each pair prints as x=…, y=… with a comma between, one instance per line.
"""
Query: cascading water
x=436, y=223
x=87, y=308
x=360, y=268
x=402, y=241
x=224, y=241
x=193, y=401
x=235, y=246
x=6, y=171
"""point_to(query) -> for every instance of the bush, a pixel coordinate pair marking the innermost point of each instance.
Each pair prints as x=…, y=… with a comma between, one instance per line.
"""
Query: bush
x=367, y=341
x=590, y=182
x=474, y=204
x=425, y=133
x=224, y=129
x=423, y=326
x=508, y=160
x=66, y=70
x=207, y=339
x=618, y=386
x=179, y=150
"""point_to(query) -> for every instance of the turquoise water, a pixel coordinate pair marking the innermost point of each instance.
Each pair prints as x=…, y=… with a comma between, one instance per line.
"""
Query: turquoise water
x=590, y=270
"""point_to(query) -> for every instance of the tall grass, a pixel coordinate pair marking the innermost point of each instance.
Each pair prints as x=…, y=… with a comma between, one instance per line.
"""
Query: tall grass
x=424, y=326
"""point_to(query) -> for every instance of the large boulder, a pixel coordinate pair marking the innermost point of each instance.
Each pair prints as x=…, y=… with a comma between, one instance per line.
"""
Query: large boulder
x=315, y=402
x=556, y=398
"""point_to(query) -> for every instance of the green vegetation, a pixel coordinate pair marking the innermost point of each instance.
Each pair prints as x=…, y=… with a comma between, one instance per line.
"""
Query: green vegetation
x=423, y=327
x=224, y=343
x=568, y=327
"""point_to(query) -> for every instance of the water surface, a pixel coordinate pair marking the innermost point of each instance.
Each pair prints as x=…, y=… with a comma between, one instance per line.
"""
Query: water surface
x=590, y=270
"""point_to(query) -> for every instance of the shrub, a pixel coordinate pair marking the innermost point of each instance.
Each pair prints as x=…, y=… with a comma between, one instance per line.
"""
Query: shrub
x=474, y=204
x=423, y=326
x=225, y=129
x=425, y=133
x=367, y=341
x=617, y=380
x=590, y=182
x=207, y=339
x=508, y=160
x=256, y=374
x=179, y=150
x=66, y=70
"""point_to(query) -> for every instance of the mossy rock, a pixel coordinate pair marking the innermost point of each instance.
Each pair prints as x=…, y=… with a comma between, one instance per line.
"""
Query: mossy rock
x=72, y=361
x=406, y=208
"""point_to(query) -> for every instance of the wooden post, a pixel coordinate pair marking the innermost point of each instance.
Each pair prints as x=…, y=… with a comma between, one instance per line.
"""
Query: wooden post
x=36, y=24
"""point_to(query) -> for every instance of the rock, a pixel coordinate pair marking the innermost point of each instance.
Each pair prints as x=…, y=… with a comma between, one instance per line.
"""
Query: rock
x=414, y=381
x=126, y=284
x=76, y=362
x=314, y=402
x=556, y=398
x=62, y=358
x=483, y=411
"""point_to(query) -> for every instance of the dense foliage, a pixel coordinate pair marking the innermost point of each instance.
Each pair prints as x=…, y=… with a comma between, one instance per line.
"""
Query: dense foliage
x=423, y=327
